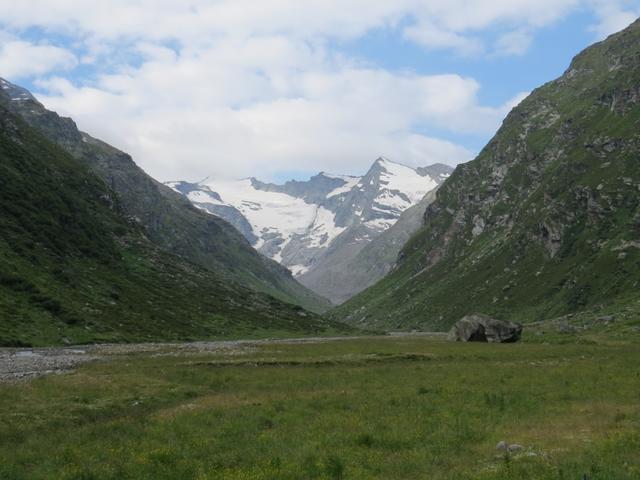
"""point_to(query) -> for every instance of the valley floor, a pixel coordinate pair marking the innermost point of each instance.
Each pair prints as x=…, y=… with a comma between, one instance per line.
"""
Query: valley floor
x=24, y=363
x=397, y=407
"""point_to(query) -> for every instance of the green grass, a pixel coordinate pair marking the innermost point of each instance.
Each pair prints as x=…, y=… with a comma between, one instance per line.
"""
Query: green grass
x=376, y=408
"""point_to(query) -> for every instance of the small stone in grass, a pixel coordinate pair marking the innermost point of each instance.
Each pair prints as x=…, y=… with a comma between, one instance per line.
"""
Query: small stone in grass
x=515, y=448
x=501, y=446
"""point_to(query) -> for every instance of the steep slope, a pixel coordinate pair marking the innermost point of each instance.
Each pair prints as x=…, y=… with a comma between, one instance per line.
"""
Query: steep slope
x=316, y=226
x=74, y=269
x=169, y=220
x=346, y=277
x=546, y=220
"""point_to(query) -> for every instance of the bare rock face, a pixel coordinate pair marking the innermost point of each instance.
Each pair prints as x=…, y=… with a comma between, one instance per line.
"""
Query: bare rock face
x=482, y=328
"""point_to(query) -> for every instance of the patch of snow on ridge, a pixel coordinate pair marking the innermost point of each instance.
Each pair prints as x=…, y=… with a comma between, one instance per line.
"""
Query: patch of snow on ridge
x=266, y=211
x=274, y=215
x=350, y=183
x=346, y=178
x=381, y=224
x=298, y=270
x=397, y=177
x=198, y=196
x=15, y=93
x=392, y=201
x=324, y=229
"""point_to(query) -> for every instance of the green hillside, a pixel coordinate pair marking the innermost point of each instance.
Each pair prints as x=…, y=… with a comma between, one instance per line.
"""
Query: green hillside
x=74, y=268
x=544, y=222
x=168, y=219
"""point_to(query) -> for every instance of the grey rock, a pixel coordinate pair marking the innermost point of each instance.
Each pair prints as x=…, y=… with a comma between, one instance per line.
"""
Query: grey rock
x=566, y=328
x=436, y=170
x=482, y=328
x=513, y=448
x=314, y=190
x=501, y=446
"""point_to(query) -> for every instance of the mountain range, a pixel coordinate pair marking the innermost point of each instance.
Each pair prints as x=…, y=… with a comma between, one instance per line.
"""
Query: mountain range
x=544, y=222
x=93, y=249
x=317, y=228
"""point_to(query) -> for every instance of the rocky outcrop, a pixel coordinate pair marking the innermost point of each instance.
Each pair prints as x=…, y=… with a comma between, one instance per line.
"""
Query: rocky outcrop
x=482, y=328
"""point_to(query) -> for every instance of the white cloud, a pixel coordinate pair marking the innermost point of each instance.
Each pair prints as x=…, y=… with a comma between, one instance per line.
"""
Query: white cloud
x=199, y=20
x=245, y=87
x=19, y=59
x=434, y=23
x=422, y=150
x=258, y=106
x=431, y=36
x=516, y=42
x=614, y=15
x=458, y=24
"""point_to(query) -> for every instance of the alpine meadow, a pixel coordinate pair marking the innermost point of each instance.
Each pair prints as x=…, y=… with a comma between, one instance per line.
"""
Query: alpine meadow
x=458, y=299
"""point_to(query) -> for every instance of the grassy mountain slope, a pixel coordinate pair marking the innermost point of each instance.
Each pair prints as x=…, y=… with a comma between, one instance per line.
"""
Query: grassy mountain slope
x=169, y=220
x=74, y=269
x=545, y=222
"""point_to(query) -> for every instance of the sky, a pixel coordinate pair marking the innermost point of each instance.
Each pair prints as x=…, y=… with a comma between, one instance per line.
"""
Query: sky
x=281, y=89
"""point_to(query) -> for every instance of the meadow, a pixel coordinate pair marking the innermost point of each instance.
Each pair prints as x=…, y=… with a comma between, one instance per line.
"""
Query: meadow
x=413, y=407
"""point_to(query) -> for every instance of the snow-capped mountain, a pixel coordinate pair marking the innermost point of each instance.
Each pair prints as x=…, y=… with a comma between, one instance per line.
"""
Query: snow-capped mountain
x=305, y=224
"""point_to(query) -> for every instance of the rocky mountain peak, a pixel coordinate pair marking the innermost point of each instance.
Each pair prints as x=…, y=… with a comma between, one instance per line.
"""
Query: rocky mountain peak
x=15, y=93
x=384, y=160
x=302, y=224
x=383, y=164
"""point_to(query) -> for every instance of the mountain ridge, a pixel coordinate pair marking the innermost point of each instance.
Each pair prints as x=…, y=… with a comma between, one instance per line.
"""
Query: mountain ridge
x=169, y=220
x=308, y=225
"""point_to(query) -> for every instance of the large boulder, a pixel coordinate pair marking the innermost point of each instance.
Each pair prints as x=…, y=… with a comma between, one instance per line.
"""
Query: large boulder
x=481, y=328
